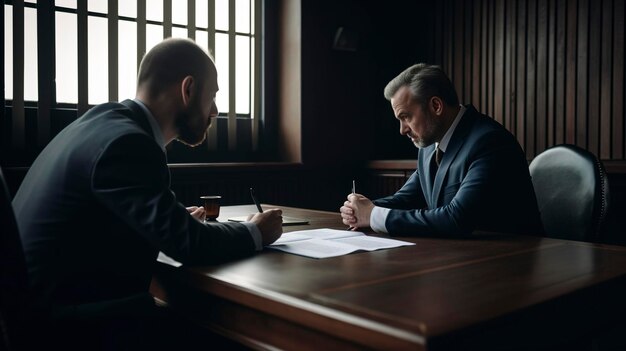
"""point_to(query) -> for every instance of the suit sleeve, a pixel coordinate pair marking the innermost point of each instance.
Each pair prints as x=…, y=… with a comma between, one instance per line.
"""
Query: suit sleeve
x=492, y=164
x=131, y=179
x=410, y=196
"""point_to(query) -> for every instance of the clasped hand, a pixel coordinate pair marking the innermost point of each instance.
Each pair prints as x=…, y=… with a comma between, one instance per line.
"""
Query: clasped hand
x=196, y=212
x=356, y=211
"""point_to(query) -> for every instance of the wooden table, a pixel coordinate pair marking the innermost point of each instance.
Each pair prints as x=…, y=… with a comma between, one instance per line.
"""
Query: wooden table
x=491, y=291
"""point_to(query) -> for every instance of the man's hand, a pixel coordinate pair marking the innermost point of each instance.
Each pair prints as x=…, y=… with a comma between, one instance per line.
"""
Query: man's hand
x=270, y=223
x=196, y=212
x=356, y=211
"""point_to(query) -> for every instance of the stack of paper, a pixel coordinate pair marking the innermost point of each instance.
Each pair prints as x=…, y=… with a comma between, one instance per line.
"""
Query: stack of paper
x=323, y=243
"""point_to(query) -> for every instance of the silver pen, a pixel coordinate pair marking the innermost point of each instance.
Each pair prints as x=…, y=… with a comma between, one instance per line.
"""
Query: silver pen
x=353, y=192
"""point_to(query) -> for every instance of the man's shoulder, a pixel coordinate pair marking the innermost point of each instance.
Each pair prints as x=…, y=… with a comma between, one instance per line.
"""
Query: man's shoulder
x=482, y=125
x=107, y=110
x=96, y=131
x=111, y=118
x=483, y=131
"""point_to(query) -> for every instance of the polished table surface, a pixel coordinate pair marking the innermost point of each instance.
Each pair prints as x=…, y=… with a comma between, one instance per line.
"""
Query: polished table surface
x=490, y=291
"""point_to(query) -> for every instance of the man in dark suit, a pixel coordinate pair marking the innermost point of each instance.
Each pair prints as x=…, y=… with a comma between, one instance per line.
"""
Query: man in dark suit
x=95, y=207
x=471, y=172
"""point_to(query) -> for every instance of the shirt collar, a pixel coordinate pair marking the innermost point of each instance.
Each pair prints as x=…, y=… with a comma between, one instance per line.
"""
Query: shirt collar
x=443, y=144
x=156, y=130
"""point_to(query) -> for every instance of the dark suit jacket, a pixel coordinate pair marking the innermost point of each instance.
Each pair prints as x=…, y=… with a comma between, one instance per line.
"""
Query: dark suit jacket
x=95, y=208
x=482, y=183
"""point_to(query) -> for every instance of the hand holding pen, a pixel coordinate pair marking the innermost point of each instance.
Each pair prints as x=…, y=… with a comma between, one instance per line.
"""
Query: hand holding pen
x=270, y=222
x=350, y=227
x=356, y=211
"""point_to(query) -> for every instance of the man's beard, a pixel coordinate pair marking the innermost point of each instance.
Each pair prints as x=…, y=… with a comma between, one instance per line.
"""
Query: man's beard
x=433, y=132
x=189, y=134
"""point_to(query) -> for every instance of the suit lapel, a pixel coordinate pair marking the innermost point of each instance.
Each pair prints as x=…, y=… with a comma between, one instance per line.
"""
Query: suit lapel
x=457, y=140
x=425, y=163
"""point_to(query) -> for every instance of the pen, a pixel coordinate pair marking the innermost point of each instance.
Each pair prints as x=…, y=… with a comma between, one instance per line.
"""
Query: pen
x=353, y=192
x=256, y=202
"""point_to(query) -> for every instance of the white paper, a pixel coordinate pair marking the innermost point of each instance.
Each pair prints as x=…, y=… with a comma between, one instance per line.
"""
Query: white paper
x=163, y=258
x=323, y=243
x=284, y=239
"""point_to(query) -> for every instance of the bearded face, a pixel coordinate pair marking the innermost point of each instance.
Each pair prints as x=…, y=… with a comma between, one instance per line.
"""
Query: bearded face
x=429, y=131
x=194, y=120
x=192, y=126
x=417, y=121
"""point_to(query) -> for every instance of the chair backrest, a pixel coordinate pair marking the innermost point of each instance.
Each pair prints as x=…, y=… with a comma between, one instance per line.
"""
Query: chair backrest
x=572, y=192
x=13, y=276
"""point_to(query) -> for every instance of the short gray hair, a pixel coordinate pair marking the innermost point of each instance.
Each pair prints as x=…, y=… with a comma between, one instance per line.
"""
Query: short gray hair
x=424, y=81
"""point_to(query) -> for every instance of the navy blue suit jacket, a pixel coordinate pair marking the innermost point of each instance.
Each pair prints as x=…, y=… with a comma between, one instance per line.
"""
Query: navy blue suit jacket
x=483, y=182
x=95, y=208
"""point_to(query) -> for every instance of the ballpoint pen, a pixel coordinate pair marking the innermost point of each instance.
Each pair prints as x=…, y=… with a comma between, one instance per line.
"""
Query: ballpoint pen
x=256, y=202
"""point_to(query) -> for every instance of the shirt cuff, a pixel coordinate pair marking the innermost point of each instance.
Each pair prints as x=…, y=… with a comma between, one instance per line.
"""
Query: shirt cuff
x=378, y=219
x=255, y=233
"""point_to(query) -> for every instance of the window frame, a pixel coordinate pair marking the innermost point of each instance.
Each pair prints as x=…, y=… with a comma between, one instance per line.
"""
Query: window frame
x=46, y=104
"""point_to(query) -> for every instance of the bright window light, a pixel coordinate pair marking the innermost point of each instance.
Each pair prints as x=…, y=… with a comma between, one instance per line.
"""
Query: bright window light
x=66, y=58
x=98, y=60
x=127, y=60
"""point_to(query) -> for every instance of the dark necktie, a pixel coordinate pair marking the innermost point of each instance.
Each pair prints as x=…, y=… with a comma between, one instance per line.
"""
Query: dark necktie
x=435, y=165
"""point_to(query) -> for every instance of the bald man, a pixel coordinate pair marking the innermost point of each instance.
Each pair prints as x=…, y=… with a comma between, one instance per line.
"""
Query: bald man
x=95, y=208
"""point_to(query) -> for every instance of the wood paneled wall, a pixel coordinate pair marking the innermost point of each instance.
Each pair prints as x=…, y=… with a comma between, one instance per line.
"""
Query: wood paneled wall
x=551, y=71
x=274, y=183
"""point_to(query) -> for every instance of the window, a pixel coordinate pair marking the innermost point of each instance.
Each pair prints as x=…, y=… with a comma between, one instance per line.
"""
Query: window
x=98, y=45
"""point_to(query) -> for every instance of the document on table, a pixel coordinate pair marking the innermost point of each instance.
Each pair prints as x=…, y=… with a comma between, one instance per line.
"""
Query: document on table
x=323, y=243
x=163, y=258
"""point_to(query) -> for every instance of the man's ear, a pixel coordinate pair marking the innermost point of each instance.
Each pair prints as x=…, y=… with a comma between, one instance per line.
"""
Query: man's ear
x=187, y=87
x=436, y=105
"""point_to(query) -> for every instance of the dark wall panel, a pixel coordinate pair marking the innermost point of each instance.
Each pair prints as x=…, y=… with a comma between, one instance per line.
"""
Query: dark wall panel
x=550, y=71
